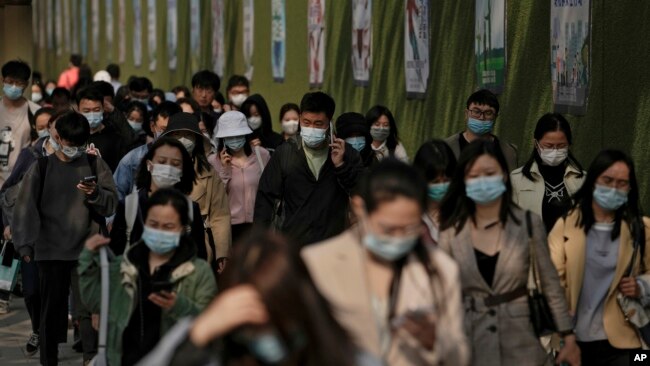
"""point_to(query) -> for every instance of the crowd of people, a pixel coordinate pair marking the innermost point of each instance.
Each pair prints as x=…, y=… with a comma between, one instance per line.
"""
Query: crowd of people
x=321, y=244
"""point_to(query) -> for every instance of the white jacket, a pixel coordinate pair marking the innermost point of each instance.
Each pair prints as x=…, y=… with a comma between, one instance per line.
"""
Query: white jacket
x=529, y=195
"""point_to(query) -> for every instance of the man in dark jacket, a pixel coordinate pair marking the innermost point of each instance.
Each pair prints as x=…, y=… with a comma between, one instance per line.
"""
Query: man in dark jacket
x=312, y=179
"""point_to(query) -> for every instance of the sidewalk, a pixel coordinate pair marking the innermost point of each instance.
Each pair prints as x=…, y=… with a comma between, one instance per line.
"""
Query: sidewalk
x=15, y=328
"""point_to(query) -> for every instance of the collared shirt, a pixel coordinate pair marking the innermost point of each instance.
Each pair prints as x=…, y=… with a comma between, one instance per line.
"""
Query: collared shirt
x=315, y=159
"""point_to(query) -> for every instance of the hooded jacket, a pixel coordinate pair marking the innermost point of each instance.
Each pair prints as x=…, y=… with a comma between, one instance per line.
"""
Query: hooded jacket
x=194, y=285
x=269, y=138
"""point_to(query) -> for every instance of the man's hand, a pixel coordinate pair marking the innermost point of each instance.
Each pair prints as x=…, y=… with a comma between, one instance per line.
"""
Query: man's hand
x=338, y=151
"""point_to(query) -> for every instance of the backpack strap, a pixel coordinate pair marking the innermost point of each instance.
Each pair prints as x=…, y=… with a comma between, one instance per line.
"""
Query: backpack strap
x=130, y=213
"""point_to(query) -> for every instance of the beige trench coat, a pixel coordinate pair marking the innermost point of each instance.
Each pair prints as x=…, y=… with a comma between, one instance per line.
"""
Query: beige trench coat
x=337, y=268
x=503, y=334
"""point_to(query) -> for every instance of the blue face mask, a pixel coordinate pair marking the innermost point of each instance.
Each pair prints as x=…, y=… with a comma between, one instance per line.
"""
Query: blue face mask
x=389, y=248
x=484, y=190
x=313, y=137
x=136, y=126
x=358, y=143
x=267, y=348
x=437, y=190
x=12, y=92
x=609, y=198
x=72, y=152
x=43, y=133
x=479, y=127
x=160, y=241
x=55, y=145
x=235, y=143
x=94, y=118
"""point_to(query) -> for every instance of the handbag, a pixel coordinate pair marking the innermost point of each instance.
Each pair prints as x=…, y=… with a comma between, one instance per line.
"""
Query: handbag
x=635, y=313
x=8, y=267
x=540, y=313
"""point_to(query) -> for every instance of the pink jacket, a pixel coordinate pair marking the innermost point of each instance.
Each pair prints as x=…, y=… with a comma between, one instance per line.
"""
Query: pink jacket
x=241, y=184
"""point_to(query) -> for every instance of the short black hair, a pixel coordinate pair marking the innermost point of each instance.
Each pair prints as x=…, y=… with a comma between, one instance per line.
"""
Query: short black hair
x=193, y=103
x=206, y=79
x=139, y=84
x=157, y=93
x=484, y=97
x=164, y=109
x=104, y=87
x=61, y=92
x=237, y=80
x=18, y=69
x=435, y=158
x=75, y=60
x=288, y=107
x=90, y=93
x=318, y=102
x=140, y=107
x=182, y=88
x=114, y=71
x=172, y=197
x=143, y=178
x=219, y=98
x=73, y=127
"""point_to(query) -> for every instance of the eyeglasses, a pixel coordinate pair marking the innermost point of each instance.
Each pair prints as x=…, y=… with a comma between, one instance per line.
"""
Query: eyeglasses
x=18, y=83
x=477, y=113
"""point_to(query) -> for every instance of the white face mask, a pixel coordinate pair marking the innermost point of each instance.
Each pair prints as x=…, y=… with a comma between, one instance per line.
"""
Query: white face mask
x=290, y=127
x=238, y=99
x=255, y=122
x=165, y=176
x=553, y=157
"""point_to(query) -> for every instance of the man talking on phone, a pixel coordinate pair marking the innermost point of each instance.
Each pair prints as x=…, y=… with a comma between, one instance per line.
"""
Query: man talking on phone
x=60, y=203
x=309, y=182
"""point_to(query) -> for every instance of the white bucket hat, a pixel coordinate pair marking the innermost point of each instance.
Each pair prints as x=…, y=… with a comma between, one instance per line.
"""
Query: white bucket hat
x=231, y=124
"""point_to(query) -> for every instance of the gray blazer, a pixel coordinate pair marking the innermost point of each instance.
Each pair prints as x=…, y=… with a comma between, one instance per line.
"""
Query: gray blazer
x=503, y=334
x=509, y=150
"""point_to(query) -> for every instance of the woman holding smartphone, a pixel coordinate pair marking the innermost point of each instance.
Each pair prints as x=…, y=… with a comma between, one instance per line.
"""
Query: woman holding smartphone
x=157, y=281
x=239, y=167
x=398, y=297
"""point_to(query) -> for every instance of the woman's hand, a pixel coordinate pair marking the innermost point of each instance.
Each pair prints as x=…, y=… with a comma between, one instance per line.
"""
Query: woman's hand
x=255, y=142
x=96, y=241
x=226, y=159
x=629, y=287
x=166, y=300
x=233, y=308
x=570, y=353
x=421, y=326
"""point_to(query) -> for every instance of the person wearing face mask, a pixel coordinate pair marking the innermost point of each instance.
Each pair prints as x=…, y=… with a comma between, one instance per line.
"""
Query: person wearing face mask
x=156, y=282
x=137, y=116
x=16, y=112
x=237, y=91
x=90, y=102
x=383, y=131
x=208, y=191
x=353, y=129
x=239, y=168
x=488, y=236
x=127, y=168
x=259, y=120
x=552, y=175
x=592, y=249
x=140, y=89
x=482, y=110
x=40, y=125
x=436, y=163
x=290, y=121
x=8, y=195
x=62, y=199
x=38, y=94
x=311, y=179
x=166, y=165
x=400, y=299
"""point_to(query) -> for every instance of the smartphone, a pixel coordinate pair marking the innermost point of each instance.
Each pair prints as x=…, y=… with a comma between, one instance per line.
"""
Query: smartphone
x=417, y=315
x=89, y=179
x=331, y=132
x=159, y=286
